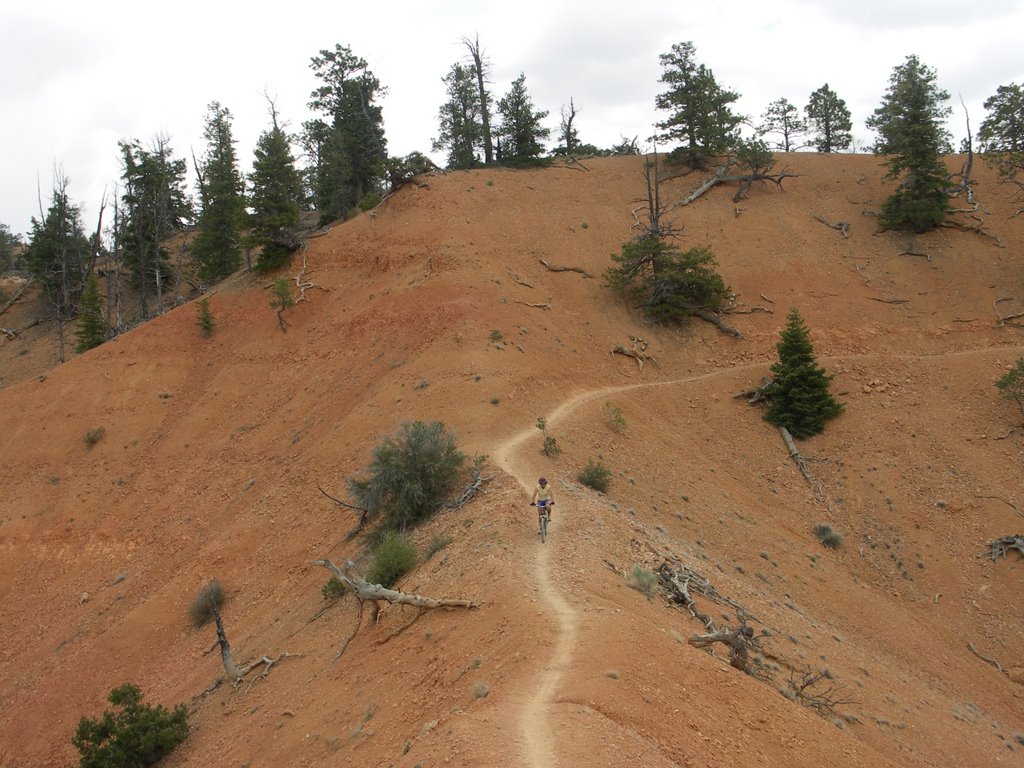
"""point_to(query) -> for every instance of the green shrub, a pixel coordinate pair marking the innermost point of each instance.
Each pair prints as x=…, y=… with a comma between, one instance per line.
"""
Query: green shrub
x=410, y=475
x=642, y=580
x=595, y=475
x=393, y=557
x=201, y=609
x=827, y=536
x=333, y=588
x=551, y=448
x=1011, y=385
x=370, y=201
x=92, y=328
x=204, y=317
x=136, y=735
x=93, y=436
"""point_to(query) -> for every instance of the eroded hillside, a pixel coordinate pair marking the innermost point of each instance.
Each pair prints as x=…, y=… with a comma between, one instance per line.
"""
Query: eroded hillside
x=437, y=306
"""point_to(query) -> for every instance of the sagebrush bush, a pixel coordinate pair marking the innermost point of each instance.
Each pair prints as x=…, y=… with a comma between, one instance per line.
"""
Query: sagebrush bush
x=435, y=545
x=551, y=447
x=595, y=475
x=642, y=580
x=93, y=436
x=410, y=476
x=827, y=536
x=210, y=597
x=204, y=317
x=393, y=556
x=135, y=736
x=613, y=417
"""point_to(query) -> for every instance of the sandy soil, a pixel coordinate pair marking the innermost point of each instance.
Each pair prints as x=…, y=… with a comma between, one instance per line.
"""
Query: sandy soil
x=213, y=448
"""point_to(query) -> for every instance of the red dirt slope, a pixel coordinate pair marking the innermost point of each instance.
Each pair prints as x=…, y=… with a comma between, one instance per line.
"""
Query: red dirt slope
x=213, y=449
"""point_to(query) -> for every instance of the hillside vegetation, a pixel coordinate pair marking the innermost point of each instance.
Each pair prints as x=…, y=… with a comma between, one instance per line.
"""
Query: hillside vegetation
x=436, y=307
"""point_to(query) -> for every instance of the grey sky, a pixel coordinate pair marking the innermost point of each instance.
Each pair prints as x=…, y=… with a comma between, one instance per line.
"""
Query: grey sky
x=76, y=77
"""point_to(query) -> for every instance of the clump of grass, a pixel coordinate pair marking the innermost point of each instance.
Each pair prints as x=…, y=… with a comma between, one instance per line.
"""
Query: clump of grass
x=642, y=580
x=333, y=588
x=435, y=545
x=613, y=417
x=495, y=400
x=496, y=336
x=394, y=555
x=584, y=225
x=480, y=690
x=827, y=536
x=93, y=436
x=207, y=602
x=595, y=475
x=423, y=384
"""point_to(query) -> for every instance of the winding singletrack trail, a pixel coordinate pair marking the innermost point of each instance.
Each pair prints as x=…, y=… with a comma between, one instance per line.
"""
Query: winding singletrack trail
x=534, y=721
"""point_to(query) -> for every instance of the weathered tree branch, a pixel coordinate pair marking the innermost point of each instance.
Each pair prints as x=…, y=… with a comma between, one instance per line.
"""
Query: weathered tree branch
x=1001, y=319
x=637, y=354
x=794, y=454
x=17, y=295
x=842, y=226
x=558, y=268
x=1000, y=547
x=735, y=639
x=715, y=319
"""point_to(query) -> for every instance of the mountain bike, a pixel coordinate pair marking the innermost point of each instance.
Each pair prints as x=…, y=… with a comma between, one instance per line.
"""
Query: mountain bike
x=542, y=519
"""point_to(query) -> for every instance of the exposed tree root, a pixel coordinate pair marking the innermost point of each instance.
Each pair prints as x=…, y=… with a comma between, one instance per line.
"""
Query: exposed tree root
x=535, y=306
x=475, y=484
x=364, y=514
x=823, y=701
x=236, y=674
x=17, y=295
x=716, y=320
x=1001, y=319
x=557, y=268
x=794, y=454
x=638, y=352
x=842, y=226
x=986, y=659
x=1000, y=498
x=722, y=176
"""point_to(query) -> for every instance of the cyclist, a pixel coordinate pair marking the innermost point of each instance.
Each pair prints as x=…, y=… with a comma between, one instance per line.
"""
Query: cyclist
x=543, y=497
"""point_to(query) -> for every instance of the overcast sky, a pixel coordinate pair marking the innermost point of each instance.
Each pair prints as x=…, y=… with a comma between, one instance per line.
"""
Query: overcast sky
x=77, y=76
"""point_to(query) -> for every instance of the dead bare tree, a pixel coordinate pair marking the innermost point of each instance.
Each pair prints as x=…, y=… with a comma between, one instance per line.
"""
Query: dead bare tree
x=723, y=174
x=374, y=594
x=476, y=53
x=808, y=689
x=735, y=639
x=205, y=606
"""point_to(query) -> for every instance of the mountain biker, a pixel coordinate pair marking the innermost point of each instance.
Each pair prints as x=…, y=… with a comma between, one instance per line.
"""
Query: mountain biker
x=543, y=497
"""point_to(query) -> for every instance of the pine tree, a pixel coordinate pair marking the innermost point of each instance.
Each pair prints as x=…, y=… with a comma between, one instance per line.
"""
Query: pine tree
x=783, y=119
x=275, y=199
x=461, y=126
x=520, y=130
x=221, y=192
x=350, y=148
x=700, y=114
x=59, y=252
x=8, y=242
x=92, y=328
x=799, y=391
x=828, y=116
x=911, y=132
x=1002, y=131
x=204, y=317
x=154, y=206
x=1011, y=384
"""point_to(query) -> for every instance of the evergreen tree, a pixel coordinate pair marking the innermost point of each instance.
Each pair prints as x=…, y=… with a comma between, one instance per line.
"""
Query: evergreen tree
x=700, y=114
x=461, y=126
x=221, y=193
x=275, y=199
x=1002, y=131
x=799, y=391
x=204, y=317
x=154, y=206
x=520, y=131
x=911, y=132
x=828, y=116
x=350, y=146
x=8, y=242
x=92, y=328
x=783, y=119
x=135, y=736
x=59, y=253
